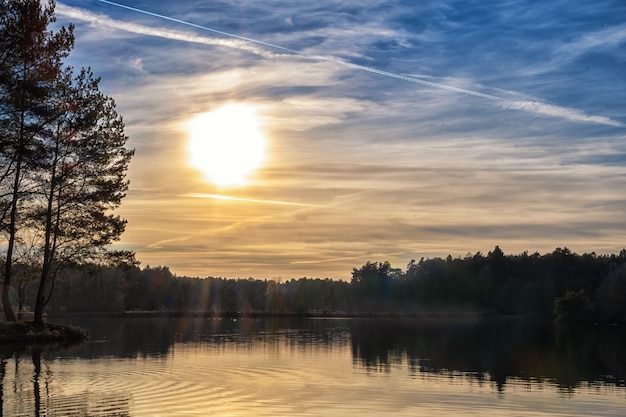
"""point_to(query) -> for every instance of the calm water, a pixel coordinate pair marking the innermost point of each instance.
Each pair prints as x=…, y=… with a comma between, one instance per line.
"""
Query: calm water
x=209, y=367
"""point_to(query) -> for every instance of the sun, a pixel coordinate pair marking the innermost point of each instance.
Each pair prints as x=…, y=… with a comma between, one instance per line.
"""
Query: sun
x=227, y=144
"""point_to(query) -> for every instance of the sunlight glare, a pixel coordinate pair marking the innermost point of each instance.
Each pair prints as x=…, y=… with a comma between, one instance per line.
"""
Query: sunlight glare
x=226, y=144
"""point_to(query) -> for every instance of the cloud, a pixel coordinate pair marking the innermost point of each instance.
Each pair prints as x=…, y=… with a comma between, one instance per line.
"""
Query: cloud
x=103, y=21
x=546, y=109
x=250, y=44
x=137, y=65
x=593, y=41
x=392, y=153
x=247, y=200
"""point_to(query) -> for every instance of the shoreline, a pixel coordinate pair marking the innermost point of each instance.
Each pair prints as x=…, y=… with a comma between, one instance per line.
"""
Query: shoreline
x=433, y=314
x=20, y=332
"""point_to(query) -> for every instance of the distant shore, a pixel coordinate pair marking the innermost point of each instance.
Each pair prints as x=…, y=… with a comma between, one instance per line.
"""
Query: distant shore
x=238, y=315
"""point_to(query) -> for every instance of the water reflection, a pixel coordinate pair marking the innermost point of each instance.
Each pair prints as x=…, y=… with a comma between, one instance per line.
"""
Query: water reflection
x=150, y=357
x=28, y=387
x=499, y=351
x=494, y=350
x=150, y=337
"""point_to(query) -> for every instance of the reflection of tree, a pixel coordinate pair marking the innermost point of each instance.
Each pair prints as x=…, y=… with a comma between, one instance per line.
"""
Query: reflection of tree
x=150, y=336
x=35, y=392
x=3, y=368
x=498, y=350
x=36, y=376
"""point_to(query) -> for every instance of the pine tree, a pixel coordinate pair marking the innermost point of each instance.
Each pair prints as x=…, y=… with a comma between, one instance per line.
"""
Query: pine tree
x=83, y=179
x=63, y=159
x=30, y=63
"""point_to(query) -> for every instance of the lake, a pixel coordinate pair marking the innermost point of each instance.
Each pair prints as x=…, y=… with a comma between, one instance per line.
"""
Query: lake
x=147, y=367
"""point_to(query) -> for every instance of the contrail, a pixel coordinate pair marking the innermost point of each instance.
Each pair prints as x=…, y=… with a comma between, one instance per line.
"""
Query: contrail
x=532, y=106
x=183, y=22
x=248, y=200
x=309, y=56
x=347, y=258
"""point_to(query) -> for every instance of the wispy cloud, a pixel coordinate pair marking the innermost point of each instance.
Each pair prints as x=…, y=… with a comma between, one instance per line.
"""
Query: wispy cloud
x=560, y=112
x=594, y=41
x=251, y=44
x=373, y=255
x=163, y=243
x=247, y=200
x=422, y=129
x=103, y=21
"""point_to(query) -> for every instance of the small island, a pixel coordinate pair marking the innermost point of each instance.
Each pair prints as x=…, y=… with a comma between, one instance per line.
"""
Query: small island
x=33, y=333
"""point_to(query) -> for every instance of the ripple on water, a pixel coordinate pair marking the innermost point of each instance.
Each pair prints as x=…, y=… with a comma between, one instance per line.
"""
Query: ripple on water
x=194, y=379
x=275, y=378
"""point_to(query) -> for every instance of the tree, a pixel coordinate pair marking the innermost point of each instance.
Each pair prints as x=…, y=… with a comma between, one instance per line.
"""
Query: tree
x=83, y=179
x=30, y=63
x=573, y=306
x=64, y=159
x=610, y=298
x=373, y=283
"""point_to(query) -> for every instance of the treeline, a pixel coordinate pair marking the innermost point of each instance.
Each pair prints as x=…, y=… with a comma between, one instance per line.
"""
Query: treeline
x=560, y=284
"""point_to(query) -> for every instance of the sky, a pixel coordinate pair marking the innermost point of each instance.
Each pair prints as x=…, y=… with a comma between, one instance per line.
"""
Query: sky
x=363, y=130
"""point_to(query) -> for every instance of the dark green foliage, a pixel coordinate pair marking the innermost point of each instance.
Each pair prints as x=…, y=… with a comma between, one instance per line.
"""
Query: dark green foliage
x=20, y=332
x=610, y=299
x=573, y=306
x=560, y=285
x=372, y=285
x=30, y=66
x=157, y=289
x=63, y=159
x=307, y=295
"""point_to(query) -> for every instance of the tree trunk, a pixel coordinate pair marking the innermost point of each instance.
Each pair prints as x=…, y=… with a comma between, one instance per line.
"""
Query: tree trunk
x=9, y=315
x=51, y=228
x=39, y=304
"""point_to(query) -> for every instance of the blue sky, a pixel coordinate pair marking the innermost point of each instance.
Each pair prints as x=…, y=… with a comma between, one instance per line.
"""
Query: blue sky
x=395, y=129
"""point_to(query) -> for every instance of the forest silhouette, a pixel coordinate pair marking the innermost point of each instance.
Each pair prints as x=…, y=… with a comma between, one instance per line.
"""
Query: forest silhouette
x=560, y=285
